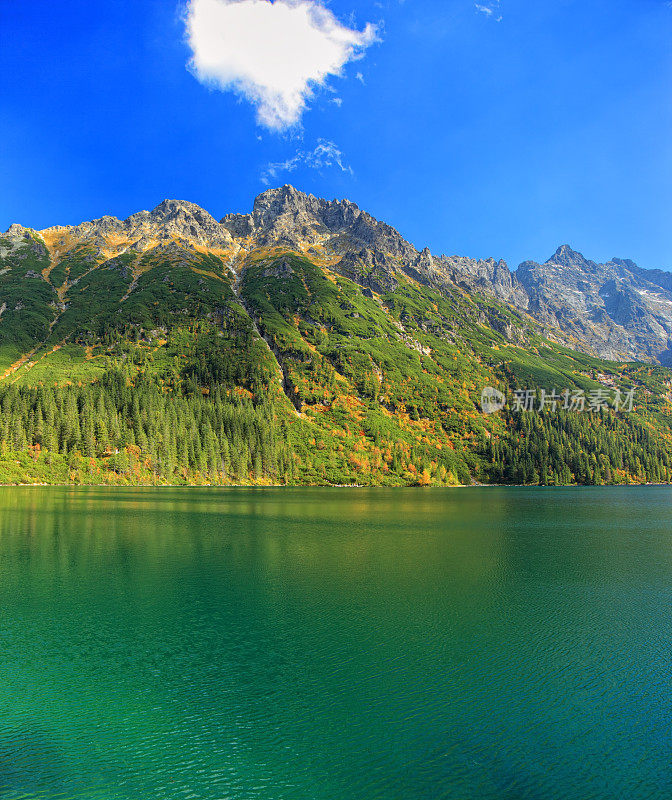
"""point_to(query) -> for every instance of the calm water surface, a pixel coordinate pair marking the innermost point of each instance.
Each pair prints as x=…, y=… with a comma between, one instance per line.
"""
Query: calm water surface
x=335, y=644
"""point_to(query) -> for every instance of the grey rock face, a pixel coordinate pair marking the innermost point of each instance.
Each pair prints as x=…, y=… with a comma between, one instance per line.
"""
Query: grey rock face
x=617, y=309
x=16, y=232
x=287, y=217
x=182, y=220
x=487, y=276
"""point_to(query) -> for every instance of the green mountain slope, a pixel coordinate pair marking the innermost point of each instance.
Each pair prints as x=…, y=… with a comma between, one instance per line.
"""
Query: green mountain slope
x=305, y=343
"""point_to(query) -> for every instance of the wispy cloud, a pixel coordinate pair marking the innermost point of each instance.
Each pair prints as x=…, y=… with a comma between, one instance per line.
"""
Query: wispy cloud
x=274, y=54
x=491, y=8
x=326, y=154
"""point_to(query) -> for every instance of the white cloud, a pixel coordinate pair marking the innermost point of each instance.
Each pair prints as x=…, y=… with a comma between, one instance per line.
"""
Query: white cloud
x=275, y=54
x=325, y=154
x=490, y=8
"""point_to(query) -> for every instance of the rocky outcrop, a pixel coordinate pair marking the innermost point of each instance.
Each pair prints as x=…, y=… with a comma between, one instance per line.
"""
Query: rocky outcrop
x=487, y=276
x=287, y=217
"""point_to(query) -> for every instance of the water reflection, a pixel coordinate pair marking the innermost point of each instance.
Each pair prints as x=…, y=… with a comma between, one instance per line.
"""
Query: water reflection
x=335, y=643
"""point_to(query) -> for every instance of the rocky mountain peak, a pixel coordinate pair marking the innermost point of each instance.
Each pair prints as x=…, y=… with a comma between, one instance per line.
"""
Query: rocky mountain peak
x=168, y=221
x=179, y=219
x=16, y=231
x=287, y=217
x=170, y=210
x=565, y=256
x=287, y=211
x=282, y=200
x=625, y=263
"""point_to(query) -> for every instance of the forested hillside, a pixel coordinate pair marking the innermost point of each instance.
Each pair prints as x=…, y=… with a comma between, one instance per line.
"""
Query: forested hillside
x=305, y=343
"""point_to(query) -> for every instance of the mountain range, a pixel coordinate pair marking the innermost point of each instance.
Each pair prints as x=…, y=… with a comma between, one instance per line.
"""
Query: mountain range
x=367, y=354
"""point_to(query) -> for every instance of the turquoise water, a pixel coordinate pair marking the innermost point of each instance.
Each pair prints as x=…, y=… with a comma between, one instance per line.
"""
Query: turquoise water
x=335, y=644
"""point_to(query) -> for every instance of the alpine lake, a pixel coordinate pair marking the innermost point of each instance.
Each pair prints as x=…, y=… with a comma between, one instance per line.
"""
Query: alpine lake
x=335, y=644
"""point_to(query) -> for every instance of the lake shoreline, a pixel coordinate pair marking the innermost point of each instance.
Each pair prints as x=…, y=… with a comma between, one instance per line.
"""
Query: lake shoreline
x=322, y=486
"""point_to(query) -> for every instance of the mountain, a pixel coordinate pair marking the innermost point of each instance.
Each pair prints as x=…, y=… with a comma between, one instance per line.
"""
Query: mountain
x=616, y=310
x=307, y=342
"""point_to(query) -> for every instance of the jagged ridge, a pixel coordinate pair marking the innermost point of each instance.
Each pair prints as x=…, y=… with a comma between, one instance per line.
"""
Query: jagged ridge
x=616, y=310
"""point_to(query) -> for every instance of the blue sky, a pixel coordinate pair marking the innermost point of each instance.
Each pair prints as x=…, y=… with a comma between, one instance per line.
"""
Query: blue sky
x=493, y=129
